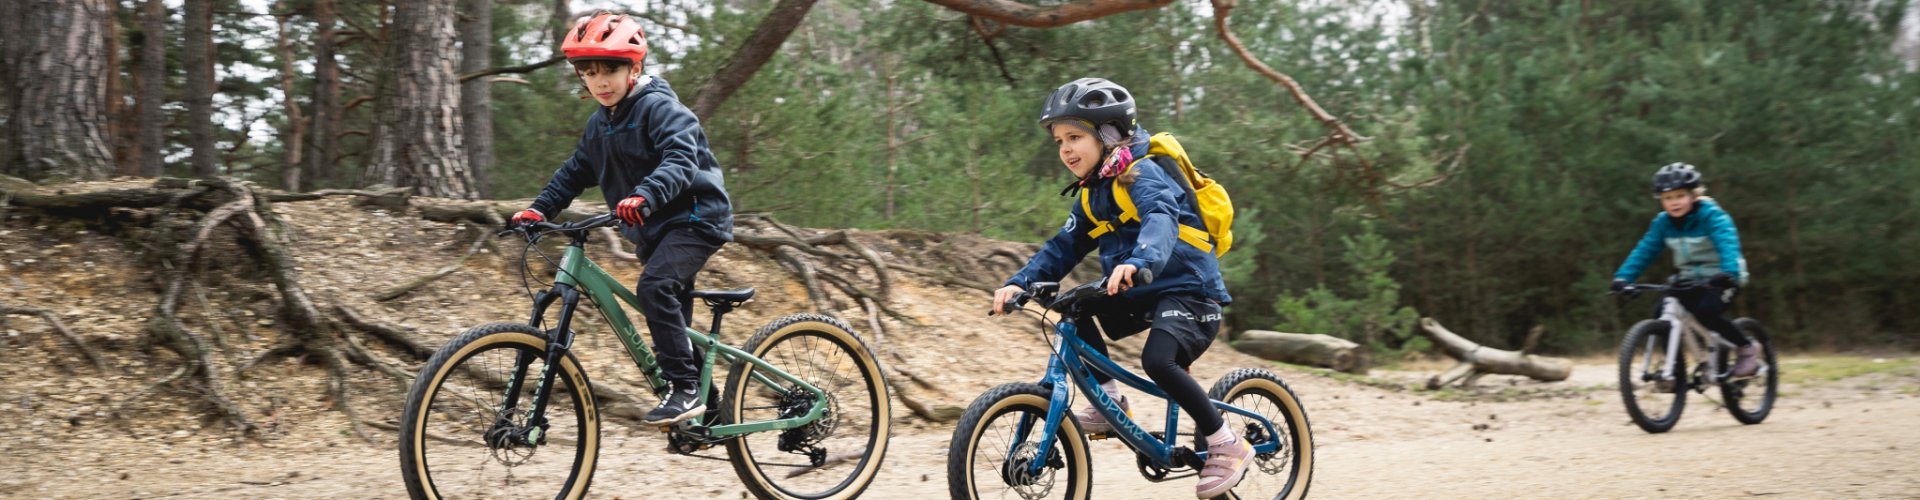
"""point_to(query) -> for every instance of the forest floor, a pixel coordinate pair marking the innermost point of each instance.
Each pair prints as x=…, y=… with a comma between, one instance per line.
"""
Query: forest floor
x=1844, y=425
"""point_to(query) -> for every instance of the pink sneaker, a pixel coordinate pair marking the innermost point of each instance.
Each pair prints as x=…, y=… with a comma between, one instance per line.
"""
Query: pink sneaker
x=1748, y=362
x=1226, y=464
x=1092, y=422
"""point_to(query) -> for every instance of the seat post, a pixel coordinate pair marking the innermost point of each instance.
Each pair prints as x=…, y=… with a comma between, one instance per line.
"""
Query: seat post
x=720, y=309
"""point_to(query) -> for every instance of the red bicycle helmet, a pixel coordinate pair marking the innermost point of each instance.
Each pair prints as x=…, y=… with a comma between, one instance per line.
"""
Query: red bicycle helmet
x=606, y=37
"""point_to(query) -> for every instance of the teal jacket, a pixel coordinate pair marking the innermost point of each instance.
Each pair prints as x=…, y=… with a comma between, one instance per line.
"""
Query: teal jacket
x=1704, y=243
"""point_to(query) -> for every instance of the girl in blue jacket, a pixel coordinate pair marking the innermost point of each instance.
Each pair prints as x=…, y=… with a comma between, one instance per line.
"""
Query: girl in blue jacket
x=1706, y=248
x=649, y=156
x=1092, y=121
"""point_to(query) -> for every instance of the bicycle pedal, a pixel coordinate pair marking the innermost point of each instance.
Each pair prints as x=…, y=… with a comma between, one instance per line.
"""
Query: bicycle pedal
x=1098, y=436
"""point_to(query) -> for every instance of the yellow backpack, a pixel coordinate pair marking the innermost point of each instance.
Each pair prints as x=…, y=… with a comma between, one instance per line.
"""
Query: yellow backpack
x=1216, y=209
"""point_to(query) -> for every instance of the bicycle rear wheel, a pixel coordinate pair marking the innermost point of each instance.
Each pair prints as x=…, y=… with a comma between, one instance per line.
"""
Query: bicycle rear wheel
x=836, y=456
x=1653, y=401
x=1286, y=473
x=456, y=402
x=1750, y=400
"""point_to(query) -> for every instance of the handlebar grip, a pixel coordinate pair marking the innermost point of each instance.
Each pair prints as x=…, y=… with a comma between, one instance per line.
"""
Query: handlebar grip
x=1017, y=302
x=1142, y=276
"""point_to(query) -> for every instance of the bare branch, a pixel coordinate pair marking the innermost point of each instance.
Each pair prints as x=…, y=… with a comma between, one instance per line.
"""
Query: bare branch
x=1032, y=16
x=759, y=47
x=524, y=68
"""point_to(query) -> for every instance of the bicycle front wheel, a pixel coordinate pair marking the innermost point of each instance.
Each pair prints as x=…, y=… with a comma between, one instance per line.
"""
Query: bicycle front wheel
x=1285, y=473
x=998, y=439
x=456, y=437
x=1654, y=401
x=1750, y=400
x=836, y=456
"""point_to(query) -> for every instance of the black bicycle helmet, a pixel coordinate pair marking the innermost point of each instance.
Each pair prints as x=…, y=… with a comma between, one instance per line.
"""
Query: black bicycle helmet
x=1094, y=100
x=1675, y=176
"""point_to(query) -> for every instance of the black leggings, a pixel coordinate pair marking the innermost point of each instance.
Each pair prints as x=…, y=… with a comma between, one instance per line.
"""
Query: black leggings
x=1709, y=305
x=1182, y=328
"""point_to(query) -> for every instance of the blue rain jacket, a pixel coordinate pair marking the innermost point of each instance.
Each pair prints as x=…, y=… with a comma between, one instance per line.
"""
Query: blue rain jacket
x=1153, y=243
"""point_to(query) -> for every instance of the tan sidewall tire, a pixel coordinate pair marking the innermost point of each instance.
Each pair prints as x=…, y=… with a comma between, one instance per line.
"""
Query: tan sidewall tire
x=1069, y=435
x=876, y=379
x=1297, y=422
x=569, y=367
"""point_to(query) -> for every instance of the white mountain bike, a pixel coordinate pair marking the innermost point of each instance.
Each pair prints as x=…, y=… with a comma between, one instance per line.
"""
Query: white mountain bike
x=1655, y=377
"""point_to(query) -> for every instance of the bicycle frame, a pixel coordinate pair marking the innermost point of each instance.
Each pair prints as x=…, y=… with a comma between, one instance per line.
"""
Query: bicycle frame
x=1075, y=356
x=1687, y=333
x=577, y=273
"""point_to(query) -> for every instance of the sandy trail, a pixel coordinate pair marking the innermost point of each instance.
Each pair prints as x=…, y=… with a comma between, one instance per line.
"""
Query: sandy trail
x=1851, y=438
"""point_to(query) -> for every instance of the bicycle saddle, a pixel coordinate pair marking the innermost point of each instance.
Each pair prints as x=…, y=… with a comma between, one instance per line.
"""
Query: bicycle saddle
x=734, y=296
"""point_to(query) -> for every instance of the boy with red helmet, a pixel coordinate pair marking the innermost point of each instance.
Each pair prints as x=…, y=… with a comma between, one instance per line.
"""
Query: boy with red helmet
x=650, y=158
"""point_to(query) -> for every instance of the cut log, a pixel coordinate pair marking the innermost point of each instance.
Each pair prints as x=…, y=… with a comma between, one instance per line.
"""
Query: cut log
x=1477, y=360
x=1325, y=351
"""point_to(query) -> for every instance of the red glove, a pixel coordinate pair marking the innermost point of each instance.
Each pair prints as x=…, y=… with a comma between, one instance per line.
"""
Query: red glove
x=525, y=217
x=632, y=210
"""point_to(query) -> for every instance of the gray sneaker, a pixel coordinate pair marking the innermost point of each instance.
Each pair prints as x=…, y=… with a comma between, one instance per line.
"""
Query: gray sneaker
x=1092, y=422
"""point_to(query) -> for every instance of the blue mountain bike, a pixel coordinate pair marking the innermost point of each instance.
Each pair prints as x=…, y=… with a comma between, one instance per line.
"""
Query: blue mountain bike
x=1020, y=439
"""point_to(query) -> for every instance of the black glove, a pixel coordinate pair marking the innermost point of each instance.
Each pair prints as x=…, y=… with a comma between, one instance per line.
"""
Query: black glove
x=1620, y=285
x=1722, y=280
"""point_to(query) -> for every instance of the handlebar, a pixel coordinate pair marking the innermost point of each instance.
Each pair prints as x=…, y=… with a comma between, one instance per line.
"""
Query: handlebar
x=1045, y=292
x=539, y=229
x=1635, y=289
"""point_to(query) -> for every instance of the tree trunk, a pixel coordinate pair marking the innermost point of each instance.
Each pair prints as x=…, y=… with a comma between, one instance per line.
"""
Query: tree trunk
x=121, y=126
x=197, y=57
x=1325, y=351
x=1477, y=360
x=152, y=95
x=559, y=22
x=745, y=61
x=326, y=96
x=56, y=52
x=476, y=96
x=418, y=138
x=294, y=137
x=893, y=142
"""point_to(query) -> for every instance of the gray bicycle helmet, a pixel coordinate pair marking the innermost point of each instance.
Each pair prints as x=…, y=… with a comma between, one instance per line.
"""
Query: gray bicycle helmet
x=1094, y=100
x=1675, y=176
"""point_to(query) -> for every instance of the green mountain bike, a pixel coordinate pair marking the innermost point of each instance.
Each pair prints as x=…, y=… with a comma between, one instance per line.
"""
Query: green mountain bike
x=506, y=411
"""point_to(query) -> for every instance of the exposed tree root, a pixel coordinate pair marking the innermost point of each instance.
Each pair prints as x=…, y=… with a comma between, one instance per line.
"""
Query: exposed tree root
x=903, y=393
x=396, y=335
x=404, y=288
x=93, y=355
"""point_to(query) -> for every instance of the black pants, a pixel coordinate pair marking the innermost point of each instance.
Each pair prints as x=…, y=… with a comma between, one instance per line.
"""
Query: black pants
x=1709, y=305
x=1182, y=328
x=666, y=298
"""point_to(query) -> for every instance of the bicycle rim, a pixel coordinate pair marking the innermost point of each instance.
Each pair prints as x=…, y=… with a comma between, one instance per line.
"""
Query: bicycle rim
x=1653, y=402
x=463, y=403
x=1286, y=473
x=833, y=457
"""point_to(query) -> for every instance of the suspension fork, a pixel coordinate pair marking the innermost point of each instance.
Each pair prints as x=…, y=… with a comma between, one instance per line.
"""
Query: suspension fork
x=524, y=359
x=560, y=340
x=1675, y=316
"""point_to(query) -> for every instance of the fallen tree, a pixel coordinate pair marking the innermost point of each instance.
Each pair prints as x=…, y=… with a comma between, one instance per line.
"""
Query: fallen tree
x=1321, y=350
x=1477, y=360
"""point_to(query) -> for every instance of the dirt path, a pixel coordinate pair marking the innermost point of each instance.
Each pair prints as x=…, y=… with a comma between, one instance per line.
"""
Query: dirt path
x=1849, y=438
